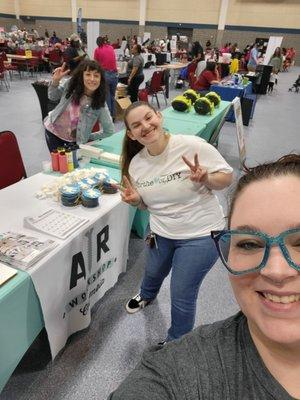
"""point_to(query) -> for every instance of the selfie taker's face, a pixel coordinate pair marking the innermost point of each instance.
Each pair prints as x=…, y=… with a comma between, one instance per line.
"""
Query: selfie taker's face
x=270, y=298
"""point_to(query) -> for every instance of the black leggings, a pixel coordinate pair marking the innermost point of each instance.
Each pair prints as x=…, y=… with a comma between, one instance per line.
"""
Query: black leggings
x=133, y=88
x=53, y=142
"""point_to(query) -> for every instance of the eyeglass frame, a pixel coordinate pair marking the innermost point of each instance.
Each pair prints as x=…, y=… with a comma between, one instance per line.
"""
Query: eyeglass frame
x=270, y=241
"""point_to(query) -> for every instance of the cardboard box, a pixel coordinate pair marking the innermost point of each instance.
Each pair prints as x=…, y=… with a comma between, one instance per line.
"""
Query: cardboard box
x=121, y=105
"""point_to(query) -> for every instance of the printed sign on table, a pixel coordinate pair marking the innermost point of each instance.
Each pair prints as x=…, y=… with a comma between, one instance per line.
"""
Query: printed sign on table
x=84, y=269
x=239, y=128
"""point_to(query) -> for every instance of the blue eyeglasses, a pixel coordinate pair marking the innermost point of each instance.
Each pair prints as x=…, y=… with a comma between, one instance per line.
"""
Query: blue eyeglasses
x=243, y=252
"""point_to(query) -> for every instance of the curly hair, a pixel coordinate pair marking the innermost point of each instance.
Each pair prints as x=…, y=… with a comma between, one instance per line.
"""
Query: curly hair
x=76, y=85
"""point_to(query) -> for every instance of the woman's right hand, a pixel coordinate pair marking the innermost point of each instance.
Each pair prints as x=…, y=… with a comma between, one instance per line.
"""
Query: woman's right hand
x=129, y=194
x=59, y=73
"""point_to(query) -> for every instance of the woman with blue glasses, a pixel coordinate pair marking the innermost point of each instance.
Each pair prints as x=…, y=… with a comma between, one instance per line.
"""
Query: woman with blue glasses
x=255, y=354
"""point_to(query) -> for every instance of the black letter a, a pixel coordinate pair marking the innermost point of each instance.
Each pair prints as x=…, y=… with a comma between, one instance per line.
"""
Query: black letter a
x=77, y=260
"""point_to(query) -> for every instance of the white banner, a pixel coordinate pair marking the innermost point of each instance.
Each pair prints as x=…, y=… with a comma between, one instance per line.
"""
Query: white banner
x=274, y=41
x=93, y=31
x=78, y=275
x=239, y=128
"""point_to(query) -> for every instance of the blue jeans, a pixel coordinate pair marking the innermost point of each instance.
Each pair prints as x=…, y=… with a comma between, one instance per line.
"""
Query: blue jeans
x=112, y=81
x=189, y=260
x=53, y=141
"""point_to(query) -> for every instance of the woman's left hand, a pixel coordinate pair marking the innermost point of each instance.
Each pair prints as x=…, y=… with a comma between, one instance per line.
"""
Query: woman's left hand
x=198, y=173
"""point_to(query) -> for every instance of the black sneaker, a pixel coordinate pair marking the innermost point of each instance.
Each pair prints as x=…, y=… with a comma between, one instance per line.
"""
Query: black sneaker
x=136, y=304
x=162, y=343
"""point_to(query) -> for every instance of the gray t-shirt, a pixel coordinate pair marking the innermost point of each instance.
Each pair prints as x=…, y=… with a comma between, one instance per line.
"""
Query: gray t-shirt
x=136, y=61
x=214, y=362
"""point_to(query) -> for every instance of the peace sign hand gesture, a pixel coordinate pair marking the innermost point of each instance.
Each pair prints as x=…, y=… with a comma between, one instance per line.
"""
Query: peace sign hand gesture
x=129, y=194
x=59, y=73
x=198, y=174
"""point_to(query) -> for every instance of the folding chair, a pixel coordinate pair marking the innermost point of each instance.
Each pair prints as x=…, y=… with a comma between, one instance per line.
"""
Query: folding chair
x=11, y=163
x=157, y=86
x=55, y=59
x=8, y=66
x=3, y=73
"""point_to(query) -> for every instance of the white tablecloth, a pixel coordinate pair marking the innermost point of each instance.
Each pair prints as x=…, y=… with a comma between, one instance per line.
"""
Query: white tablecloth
x=77, y=273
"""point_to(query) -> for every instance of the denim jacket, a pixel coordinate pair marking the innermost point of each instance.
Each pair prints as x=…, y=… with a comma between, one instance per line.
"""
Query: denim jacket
x=88, y=115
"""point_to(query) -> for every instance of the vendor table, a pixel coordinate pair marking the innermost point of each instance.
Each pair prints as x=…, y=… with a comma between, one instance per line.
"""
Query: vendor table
x=228, y=93
x=69, y=280
x=204, y=125
x=21, y=321
x=174, y=70
x=20, y=57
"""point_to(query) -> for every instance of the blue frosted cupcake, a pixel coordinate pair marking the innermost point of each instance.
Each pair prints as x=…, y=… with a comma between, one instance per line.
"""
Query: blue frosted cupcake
x=109, y=186
x=90, y=197
x=69, y=195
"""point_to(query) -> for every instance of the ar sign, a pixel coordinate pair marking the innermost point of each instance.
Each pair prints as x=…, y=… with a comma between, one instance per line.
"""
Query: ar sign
x=78, y=269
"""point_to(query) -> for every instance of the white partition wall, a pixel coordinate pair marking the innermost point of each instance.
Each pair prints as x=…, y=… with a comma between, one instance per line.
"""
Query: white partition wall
x=274, y=41
x=93, y=31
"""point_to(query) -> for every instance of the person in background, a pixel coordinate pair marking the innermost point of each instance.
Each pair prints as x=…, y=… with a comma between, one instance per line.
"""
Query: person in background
x=276, y=60
x=46, y=34
x=253, y=58
x=81, y=104
x=116, y=44
x=291, y=54
x=173, y=177
x=104, y=54
x=197, y=49
x=208, y=45
x=272, y=80
x=54, y=39
x=74, y=53
x=225, y=48
x=135, y=72
x=234, y=65
x=209, y=76
x=201, y=65
x=254, y=354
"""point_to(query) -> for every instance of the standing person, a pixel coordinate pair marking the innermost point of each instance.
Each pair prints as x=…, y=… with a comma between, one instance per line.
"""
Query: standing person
x=201, y=65
x=135, y=72
x=209, y=76
x=272, y=80
x=197, y=50
x=276, y=60
x=173, y=177
x=81, y=104
x=254, y=354
x=74, y=54
x=104, y=54
x=253, y=58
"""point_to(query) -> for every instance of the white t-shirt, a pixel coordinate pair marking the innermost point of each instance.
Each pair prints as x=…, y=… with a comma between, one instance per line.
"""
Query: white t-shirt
x=179, y=208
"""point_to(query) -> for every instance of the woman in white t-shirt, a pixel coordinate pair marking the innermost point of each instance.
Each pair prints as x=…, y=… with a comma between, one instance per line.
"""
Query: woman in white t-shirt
x=173, y=177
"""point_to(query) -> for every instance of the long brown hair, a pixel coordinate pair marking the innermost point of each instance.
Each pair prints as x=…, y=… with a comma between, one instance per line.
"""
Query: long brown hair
x=286, y=165
x=131, y=147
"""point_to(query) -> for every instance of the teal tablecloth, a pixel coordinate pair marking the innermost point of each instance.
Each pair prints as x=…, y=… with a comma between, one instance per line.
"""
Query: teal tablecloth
x=204, y=124
x=21, y=321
